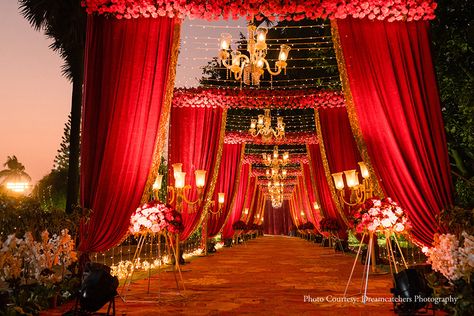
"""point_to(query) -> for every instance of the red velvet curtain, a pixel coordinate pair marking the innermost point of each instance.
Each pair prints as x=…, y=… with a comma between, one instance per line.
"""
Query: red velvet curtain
x=227, y=184
x=328, y=205
x=277, y=220
x=313, y=214
x=195, y=135
x=255, y=206
x=237, y=208
x=393, y=84
x=339, y=142
x=249, y=200
x=126, y=74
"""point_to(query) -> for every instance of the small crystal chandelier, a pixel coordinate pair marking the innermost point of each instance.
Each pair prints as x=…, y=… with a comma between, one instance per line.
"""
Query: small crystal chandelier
x=276, y=173
x=273, y=160
x=263, y=126
x=251, y=68
x=275, y=190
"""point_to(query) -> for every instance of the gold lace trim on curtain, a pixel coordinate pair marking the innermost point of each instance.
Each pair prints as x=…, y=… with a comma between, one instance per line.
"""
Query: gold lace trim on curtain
x=237, y=184
x=351, y=111
x=327, y=171
x=313, y=182
x=165, y=113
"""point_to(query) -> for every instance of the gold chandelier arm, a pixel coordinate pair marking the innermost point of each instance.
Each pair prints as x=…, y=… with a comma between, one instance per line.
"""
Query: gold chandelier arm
x=172, y=195
x=273, y=73
x=225, y=64
x=341, y=197
x=189, y=202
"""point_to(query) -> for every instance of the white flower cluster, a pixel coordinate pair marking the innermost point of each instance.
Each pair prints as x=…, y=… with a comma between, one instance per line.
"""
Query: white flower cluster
x=44, y=261
x=448, y=257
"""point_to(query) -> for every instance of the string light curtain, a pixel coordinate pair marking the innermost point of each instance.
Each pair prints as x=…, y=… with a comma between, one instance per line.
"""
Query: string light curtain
x=392, y=81
x=195, y=140
x=328, y=205
x=126, y=80
x=238, y=206
x=228, y=182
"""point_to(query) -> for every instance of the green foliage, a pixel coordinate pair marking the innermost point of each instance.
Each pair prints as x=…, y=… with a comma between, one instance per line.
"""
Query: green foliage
x=453, y=36
x=22, y=214
x=51, y=190
x=61, y=161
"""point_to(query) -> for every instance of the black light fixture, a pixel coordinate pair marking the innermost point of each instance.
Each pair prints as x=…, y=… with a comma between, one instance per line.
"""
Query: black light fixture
x=410, y=292
x=98, y=288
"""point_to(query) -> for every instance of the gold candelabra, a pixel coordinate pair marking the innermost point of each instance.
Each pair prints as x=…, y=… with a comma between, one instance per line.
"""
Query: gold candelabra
x=263, y=126
x=359, y=192
x=251, y=68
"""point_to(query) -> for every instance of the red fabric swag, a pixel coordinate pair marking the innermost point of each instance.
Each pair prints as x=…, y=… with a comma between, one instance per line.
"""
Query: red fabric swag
x=194, y=142
x=328, y=205
x=392, y=80
x=236, y=211
x=126, y=73
x=227, y=184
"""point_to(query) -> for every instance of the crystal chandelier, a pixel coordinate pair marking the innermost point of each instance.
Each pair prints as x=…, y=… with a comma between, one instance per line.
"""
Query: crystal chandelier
x=250, y=68
x=276, y=173
x=275, y=191
x=263, y=126
x=273, y=160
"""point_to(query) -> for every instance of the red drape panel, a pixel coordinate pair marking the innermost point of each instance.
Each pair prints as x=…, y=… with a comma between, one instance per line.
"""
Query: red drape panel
x=277, y=220
x=249, y=200
x=237, y=208
x=339, y=142
x=227, y=184
x=393, y=84
x=194, y=141
x=328, y=205
x=255, y=206
x=126, y=73
x=312, y=195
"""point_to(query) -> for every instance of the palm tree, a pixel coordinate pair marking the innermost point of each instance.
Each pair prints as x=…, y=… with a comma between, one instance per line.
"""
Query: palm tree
x=15, y=171
x=64, y=21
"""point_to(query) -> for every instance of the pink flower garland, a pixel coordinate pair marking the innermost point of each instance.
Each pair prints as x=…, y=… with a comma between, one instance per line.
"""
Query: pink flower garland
x=291, y=10
x=290, y=138
x=256, y=99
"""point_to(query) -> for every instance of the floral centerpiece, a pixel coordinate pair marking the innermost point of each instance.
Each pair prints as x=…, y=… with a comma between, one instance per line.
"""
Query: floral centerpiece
x=380, y=215
x=239, y=225
x=329, y=225
x=154, y=217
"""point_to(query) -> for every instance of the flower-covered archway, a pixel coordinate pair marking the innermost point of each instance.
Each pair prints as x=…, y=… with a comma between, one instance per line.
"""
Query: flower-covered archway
x=392, y=102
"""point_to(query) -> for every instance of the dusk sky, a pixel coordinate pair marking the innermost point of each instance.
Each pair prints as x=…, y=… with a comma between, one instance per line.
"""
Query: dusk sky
x=35, y=98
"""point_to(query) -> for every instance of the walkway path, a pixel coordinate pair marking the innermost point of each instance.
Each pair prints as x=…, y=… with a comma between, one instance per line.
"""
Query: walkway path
x=271, y=275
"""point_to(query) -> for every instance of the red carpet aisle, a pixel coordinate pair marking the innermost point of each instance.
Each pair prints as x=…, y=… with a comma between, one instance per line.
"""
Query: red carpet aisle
x=268, y=276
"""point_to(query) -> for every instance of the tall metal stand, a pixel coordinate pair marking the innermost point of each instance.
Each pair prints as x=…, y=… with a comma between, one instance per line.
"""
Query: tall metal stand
x=369, y=261
x=176, y=268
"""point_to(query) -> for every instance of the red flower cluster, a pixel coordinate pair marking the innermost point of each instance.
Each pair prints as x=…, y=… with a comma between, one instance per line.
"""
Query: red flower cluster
x=291, y=10
x=380, y=215
x=290, y=138
x=154, y=217
x=256, y=99
x=329, y=225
